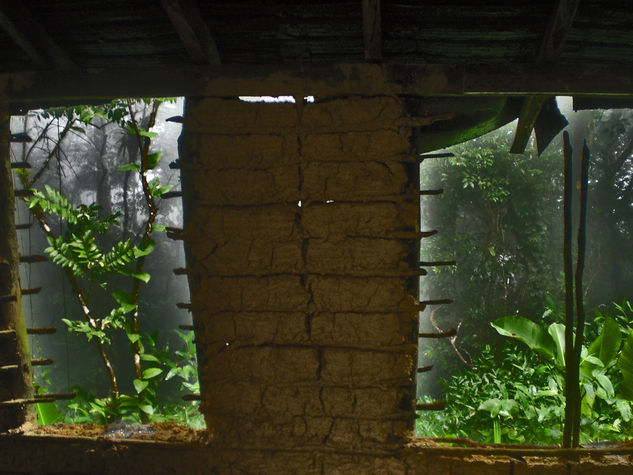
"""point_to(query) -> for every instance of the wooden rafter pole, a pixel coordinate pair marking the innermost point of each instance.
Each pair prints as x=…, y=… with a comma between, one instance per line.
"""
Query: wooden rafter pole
x=560, y=22
x=193, y=31
x=372, y=30
x=32, y=38
x=551, y=47
x=14, y=350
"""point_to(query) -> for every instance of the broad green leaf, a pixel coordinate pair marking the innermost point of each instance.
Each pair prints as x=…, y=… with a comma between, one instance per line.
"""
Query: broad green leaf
x=139, y=385
x=153, y=159
x=130, y=167
x=146, y=408
x=607, y=344
x=133, y=337
x=150, y=357
x=625, y=365
x=557, y=332
x=604, y=382
x=624, y=408
x=47, y=413
x=493, y=406
x=144, y=276
x=146, y=246
x=151, y=373
x=125, y=301
x=530, y=333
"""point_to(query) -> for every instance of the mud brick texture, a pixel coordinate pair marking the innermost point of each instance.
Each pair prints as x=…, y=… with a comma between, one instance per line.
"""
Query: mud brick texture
x=302, y=285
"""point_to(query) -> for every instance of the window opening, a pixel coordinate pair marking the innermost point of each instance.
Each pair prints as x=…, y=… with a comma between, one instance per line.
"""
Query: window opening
x=492, y=358
x=95, y=211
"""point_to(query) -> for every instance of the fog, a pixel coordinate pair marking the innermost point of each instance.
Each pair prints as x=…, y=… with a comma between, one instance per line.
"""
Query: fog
x=84, y=168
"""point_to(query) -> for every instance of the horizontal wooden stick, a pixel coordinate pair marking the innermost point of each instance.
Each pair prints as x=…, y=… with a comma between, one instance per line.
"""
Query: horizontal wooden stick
x=446, y=334
x=437, y=263
x=41, y=330
x=23, y=226
x=9, y=367
x=192, y=397
x=185, y=327
x=32, y=259
x=31, y=290
x=55, y=396
x=171, y=194
x=425, y=369
x=439, y=191
x=7, y=333
x=421, y=158
x=181, y=271
x=431, y=406
x=15, y=165
x=41, y=362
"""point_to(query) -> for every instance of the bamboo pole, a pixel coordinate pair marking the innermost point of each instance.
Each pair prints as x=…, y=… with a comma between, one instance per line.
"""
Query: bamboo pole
x=569, y=308
x=580, y=309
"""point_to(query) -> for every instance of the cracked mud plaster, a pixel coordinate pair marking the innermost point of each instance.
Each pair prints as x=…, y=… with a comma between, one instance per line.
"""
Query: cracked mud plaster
x=300, y=295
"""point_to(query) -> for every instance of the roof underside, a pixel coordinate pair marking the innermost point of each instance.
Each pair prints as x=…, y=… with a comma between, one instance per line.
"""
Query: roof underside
x=117, y=33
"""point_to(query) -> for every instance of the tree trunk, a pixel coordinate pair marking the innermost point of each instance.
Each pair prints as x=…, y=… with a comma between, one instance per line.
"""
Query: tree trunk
x=14, y=348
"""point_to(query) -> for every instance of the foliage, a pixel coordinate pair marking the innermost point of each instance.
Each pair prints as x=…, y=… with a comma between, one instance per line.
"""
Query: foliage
x=517, y=395
x=496, y=220
x=86, y=407
x=96, y=248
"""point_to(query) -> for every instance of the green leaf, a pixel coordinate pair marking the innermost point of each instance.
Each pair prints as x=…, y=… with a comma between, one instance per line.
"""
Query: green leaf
x=125, y=300
x=625, y=365
x=557, y=332
x=150, y=357
x=146, y=408
x=130, y=167
x=604, y=382
x=139, y=385
x=530, y=333
x=153, y=159
x=47, y=413
x=142, y=133
x=607, y=344
x=151, y=373
x=133, y=337
x=624, y=408
x=146, y=246
x=144, y=276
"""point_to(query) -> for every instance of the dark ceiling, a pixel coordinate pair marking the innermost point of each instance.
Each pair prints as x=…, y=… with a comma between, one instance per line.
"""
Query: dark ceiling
x=45, y=34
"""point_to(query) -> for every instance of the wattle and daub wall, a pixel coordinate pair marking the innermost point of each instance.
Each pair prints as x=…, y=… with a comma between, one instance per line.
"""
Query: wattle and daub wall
x=300, y=228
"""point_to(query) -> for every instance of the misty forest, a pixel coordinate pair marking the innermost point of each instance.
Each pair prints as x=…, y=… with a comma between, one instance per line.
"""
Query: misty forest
x=501, y=377
x=100, y=263
x=102, y=179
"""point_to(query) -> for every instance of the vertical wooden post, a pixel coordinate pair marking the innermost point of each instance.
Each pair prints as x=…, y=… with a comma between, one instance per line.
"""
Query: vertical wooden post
x=15, y=384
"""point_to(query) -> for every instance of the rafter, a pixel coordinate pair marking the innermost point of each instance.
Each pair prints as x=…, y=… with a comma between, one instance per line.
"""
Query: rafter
x=372, y=30
x=193, y=31
x=50, y=88
x=551, y=47
x=32, y=38
x=558, y=28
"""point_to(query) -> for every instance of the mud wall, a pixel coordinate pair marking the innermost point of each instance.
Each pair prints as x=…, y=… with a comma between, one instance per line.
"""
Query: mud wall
x=300, y=224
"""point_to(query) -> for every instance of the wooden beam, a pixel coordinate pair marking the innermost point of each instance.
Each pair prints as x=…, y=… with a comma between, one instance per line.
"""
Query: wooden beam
x=372, y=30
x=60, y=88
x=558, y=28
x=550, y=50
x=530, y=110
x=193, y=31
x=32, y=38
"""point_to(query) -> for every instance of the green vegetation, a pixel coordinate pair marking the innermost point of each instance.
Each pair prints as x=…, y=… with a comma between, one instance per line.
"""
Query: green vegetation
x=103, y=254
x=501, y=219
x=516, y=395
